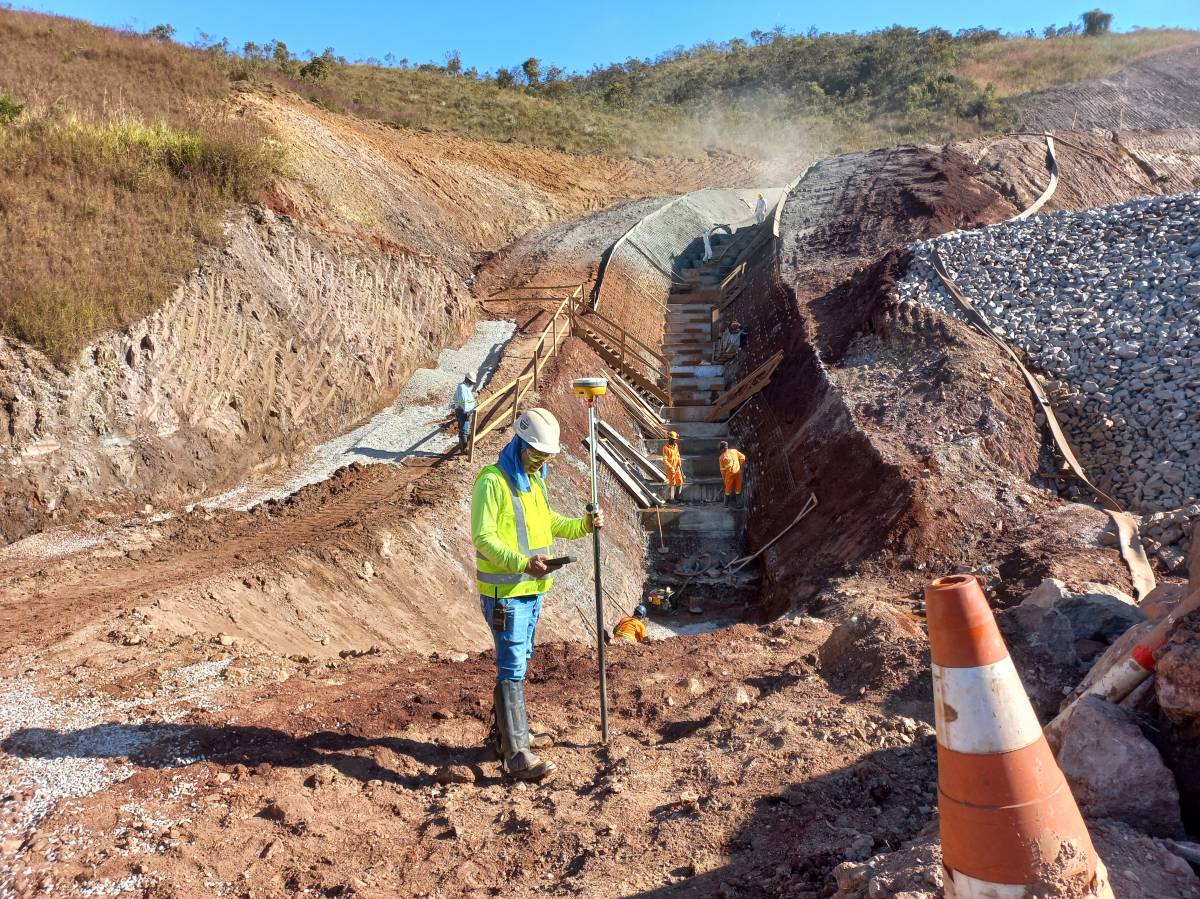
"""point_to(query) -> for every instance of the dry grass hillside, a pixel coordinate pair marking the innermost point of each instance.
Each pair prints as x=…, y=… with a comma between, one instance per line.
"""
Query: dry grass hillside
x=117, y=166
x=1024, y=65
x=122, y=155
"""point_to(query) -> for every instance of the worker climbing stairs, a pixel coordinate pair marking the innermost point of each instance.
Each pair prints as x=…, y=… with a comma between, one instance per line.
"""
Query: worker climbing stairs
x=702, y=534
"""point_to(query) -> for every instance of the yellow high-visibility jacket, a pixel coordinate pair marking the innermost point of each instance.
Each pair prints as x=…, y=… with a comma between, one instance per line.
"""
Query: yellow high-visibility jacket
x=508, y=528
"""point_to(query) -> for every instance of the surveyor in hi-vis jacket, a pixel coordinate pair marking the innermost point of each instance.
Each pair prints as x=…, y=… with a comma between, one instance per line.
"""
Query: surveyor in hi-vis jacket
x=513, y=529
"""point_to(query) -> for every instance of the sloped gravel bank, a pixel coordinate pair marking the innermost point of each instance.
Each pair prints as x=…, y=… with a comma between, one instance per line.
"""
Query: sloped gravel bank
x=1106, y=305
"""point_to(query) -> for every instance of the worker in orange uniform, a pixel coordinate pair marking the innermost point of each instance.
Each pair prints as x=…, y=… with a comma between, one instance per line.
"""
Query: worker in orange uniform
x=632, y=628
x=732, y=463
x=673, y=465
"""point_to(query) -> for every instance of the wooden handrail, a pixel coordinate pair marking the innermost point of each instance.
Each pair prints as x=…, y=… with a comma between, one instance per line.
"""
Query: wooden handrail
x=633, y=337
x=528, y=376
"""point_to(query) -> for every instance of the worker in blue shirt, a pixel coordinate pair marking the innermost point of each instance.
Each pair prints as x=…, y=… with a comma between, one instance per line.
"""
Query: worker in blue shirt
x=464, y=405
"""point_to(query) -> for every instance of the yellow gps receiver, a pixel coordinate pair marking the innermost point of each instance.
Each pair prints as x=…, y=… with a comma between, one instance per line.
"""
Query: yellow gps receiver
x=590, y=387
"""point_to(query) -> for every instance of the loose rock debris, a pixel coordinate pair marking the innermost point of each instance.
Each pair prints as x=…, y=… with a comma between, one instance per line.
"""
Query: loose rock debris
x=1106, y=303
x=791, y=759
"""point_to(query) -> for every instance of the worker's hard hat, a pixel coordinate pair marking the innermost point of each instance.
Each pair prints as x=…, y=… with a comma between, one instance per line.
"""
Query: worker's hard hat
x=724, y=444
x=735, y=324
x=674, y=435
x=539, y=429
x=639, y=611
x=669, y=591
x=469, y=378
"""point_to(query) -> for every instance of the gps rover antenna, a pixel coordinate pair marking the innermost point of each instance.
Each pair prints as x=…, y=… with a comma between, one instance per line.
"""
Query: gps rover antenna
x=589, y=389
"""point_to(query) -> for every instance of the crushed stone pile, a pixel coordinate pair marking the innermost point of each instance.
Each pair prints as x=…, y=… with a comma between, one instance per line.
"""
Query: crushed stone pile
x=1105, y=303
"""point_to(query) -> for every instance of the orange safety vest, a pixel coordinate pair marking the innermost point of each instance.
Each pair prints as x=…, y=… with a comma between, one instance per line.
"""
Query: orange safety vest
x=630, y=629
x=732, y=461
x=673, y=464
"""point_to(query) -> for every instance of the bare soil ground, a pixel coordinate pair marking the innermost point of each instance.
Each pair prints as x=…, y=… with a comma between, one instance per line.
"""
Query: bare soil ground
x=1095, y=169
x=734, y=765
x=238, y=704
x=324, y=300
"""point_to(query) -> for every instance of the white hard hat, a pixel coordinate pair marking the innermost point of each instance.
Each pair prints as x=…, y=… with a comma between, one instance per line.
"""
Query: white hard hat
x=539, y=429
x=469, y=378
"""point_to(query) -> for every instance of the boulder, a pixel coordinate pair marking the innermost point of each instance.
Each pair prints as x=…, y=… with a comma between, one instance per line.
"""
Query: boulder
x=1068, y=626
x=1158, y=603
x=1115, y=772
x=1044, y=628
x=1178, y=673
x=1097, y=612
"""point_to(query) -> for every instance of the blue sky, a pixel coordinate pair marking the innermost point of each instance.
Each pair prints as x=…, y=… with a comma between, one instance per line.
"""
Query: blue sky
x=573, y=35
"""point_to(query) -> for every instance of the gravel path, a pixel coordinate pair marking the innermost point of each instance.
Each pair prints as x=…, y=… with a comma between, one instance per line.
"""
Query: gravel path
x=1106, y=303
x=411, y=426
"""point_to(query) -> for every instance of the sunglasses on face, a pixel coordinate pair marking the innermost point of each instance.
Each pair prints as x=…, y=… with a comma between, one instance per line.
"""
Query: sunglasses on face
x=537, y=457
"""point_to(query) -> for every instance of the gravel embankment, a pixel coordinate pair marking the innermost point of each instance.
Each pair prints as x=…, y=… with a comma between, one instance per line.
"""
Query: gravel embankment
x=1106, y=305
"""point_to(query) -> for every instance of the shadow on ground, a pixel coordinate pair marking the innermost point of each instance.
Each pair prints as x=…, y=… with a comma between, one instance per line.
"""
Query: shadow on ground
x=179, y=745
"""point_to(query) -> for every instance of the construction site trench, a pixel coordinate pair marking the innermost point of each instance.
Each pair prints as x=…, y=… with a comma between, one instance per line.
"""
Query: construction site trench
x=294, y=699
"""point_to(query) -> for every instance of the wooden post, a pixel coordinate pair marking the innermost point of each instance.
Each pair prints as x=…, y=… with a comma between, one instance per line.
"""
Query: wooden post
x=471, y=440
x=554, y=332
x=622, y=357
x=516, y=394
x=537, y=354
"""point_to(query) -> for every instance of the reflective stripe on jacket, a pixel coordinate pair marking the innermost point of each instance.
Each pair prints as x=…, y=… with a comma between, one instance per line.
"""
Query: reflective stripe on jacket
x=508, y=528
x=464, y=398
x=732, y=461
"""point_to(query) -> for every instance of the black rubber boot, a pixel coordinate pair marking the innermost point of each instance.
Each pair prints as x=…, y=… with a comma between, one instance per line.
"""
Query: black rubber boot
x=516, y=758
x=493, y=740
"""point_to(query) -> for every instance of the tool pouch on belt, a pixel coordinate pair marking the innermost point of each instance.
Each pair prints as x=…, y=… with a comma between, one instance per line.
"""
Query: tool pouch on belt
x=500, y=616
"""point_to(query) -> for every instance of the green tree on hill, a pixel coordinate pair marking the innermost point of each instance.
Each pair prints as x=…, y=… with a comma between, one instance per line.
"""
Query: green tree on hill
x=1096, y=22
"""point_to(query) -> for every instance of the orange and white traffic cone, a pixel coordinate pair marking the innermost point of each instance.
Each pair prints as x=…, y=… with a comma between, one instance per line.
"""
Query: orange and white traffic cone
x=1009, y=823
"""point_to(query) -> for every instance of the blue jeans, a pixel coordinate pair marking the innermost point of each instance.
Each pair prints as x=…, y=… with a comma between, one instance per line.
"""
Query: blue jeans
x=464, y=425
x=514, y=644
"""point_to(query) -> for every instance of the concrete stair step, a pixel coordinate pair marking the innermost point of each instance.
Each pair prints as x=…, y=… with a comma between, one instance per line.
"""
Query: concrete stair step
x=716, y=430
x=689, y=446
x=682, y=414
x=698, y=371
x=706, y=466
x=703, y=490
x=695, y=294
x=683, y=387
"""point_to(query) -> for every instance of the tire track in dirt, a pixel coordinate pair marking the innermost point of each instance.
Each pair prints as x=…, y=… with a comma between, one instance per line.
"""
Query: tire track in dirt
x=188, y=558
